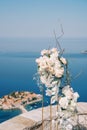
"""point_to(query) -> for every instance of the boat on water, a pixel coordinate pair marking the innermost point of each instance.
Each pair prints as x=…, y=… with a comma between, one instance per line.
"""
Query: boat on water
x=84, y=52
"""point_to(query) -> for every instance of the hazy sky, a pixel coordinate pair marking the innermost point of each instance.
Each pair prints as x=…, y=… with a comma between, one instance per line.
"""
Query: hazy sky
x=38, y=18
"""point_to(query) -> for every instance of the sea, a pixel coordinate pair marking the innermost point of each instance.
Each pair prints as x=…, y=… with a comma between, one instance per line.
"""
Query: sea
x=18, y=68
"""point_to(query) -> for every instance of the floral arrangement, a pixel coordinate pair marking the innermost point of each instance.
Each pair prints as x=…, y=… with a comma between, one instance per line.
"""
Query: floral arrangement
x=51, y=69
x=67, y=108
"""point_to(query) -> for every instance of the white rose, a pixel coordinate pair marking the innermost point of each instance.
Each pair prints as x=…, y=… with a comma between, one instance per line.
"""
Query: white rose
x=75, y=96
x=38, y=60
x=43, y=64
x=63, y=60
x=48, y=92
x=63, y=102
x=67, y=91
x=54, y=50
x=72, y=105
x=54, y=83
x=59, y=72
x=57, y=64
x=50, y=69
x=50, y=62
x=54, y=55
x=44, y=52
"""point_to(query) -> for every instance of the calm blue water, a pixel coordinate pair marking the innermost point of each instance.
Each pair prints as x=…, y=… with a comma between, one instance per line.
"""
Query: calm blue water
x=17, y=71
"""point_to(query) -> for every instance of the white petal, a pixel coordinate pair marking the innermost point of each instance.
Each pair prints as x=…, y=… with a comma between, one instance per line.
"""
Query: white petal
x=63, y=60
x=48, y=92
x=53, y=99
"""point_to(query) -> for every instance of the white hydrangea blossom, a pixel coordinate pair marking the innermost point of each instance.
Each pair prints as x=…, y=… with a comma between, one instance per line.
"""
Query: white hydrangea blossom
x=63, y=102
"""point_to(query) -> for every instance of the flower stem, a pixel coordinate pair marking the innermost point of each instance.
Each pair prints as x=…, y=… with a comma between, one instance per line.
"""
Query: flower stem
x=57, y=111
x=42, y=108
x=50, y=115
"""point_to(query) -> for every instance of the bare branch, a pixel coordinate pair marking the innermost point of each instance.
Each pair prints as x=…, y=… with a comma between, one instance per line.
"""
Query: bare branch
x=57, y=39
x=62, y=32
x=57, y=42
x=78, y=75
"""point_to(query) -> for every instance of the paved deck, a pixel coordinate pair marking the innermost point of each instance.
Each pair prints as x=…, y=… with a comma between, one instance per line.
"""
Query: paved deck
x=28, y=119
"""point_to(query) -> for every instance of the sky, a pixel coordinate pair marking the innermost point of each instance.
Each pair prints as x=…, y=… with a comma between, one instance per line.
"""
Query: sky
x=38, y=18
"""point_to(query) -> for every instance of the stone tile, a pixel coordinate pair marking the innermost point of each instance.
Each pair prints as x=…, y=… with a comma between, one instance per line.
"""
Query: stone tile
x=17, y=123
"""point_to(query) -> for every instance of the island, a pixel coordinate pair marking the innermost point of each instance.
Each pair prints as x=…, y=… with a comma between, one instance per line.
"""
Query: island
x=84, y=52
x=17, y=100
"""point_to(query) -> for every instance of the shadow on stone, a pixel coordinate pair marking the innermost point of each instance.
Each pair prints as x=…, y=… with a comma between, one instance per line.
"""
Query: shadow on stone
x=80, y=127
